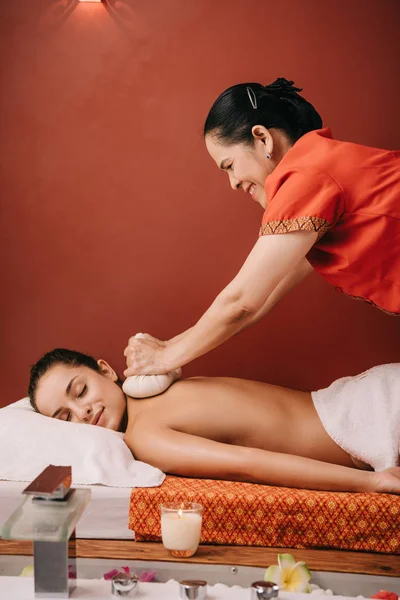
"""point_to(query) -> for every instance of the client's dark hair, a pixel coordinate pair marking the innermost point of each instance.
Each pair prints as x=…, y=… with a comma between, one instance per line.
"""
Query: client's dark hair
x=58, y=356
x=70, y=358
x=239, y=108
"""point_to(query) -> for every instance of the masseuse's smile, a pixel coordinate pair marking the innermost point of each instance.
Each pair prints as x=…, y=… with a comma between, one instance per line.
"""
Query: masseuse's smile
x=256, y=192
x=252, y=191
x=247, y=167
x=251, y=188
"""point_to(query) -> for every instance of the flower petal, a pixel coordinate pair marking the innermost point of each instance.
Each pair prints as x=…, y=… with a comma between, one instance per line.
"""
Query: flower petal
x=147, y=576
x=110, y=574
x=298, y=580
x=302, y=565
x=274, y=574
x=286, y=561
x=299, y=587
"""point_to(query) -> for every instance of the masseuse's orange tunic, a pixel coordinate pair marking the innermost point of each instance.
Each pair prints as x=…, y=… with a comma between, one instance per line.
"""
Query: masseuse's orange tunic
x=350, y=195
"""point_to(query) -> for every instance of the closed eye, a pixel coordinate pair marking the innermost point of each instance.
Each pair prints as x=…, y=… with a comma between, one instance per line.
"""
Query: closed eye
x=83, y=391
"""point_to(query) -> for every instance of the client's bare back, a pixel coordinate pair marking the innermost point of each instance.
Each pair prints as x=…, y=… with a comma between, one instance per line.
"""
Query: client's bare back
x=242, y=413
x=222, y=428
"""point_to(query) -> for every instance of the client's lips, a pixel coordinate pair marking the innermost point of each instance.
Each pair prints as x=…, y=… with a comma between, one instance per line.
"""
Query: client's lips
x=97, y=416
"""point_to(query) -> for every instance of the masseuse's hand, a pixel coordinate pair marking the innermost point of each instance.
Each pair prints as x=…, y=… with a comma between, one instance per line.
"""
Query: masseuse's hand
x=145, y=356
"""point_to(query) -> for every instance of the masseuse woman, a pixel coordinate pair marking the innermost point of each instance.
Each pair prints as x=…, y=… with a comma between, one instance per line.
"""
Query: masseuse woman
x=329, y=205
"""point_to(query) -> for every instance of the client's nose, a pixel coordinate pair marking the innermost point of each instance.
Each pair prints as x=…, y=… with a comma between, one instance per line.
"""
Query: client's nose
x=84, y=413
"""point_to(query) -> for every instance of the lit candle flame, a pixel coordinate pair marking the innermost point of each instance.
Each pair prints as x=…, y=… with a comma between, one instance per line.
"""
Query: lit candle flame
x=180, y=513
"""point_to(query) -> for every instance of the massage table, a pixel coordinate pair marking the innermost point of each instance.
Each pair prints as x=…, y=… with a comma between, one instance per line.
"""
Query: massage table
x=244, y=525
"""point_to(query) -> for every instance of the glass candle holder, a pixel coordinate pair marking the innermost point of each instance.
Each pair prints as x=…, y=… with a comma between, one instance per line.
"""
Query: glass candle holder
x=181, y=527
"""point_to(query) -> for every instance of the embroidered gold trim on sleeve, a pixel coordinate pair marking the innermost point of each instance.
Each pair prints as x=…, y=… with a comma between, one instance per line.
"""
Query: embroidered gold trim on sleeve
x=317, y=224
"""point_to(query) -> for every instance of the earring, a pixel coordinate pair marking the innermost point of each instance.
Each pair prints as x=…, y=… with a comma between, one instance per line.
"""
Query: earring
x=268, y=155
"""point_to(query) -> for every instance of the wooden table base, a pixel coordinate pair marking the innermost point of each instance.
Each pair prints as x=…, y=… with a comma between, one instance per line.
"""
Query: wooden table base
x=340, y=561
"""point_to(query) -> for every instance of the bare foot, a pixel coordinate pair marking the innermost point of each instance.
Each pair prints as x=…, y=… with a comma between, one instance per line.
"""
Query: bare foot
x=387, y=481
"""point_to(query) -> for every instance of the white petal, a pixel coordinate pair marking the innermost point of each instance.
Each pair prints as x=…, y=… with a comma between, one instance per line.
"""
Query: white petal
x=286, y=561
x=274, y=574
x=302, y=568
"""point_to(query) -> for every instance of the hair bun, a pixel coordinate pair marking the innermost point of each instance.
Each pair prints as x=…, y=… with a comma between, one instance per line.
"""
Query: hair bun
x=282, y=86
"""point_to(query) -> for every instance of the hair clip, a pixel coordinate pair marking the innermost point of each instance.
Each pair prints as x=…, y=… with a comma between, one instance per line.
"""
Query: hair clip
x=252, y=97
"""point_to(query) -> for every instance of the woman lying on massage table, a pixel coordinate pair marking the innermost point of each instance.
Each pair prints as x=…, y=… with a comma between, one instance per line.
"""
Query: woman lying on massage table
x=225, y=428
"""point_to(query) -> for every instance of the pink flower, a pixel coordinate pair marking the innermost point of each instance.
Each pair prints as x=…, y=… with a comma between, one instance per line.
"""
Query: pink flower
x=110, y=574
x=145, y=576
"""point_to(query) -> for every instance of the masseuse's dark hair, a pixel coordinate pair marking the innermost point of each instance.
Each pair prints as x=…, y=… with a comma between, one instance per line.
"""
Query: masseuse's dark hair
x=58, y=356
x=278, y=105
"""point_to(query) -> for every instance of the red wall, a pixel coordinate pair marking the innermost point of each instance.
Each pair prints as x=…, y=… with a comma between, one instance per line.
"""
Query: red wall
x=113, y=217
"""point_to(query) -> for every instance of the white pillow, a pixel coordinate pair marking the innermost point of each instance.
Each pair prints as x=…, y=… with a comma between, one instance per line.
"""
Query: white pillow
x=29, y=442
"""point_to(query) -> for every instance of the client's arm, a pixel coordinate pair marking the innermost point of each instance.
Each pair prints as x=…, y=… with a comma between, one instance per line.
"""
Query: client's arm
x=191, y=456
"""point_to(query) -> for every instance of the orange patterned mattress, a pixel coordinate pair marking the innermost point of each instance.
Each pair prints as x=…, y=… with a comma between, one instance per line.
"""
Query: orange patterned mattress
x=246, y=514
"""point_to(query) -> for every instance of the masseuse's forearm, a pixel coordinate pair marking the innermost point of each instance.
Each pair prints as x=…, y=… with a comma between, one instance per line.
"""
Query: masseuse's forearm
x=225, y=317
x=179, y=337
x=287, y=470
x=239, y=305
x=300, y=272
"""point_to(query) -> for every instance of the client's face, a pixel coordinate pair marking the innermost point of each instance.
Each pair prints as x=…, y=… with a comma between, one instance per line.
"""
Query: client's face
x=82, y=395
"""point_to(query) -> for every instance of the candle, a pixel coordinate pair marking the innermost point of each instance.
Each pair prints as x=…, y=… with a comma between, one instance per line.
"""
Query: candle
x=181, y=527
